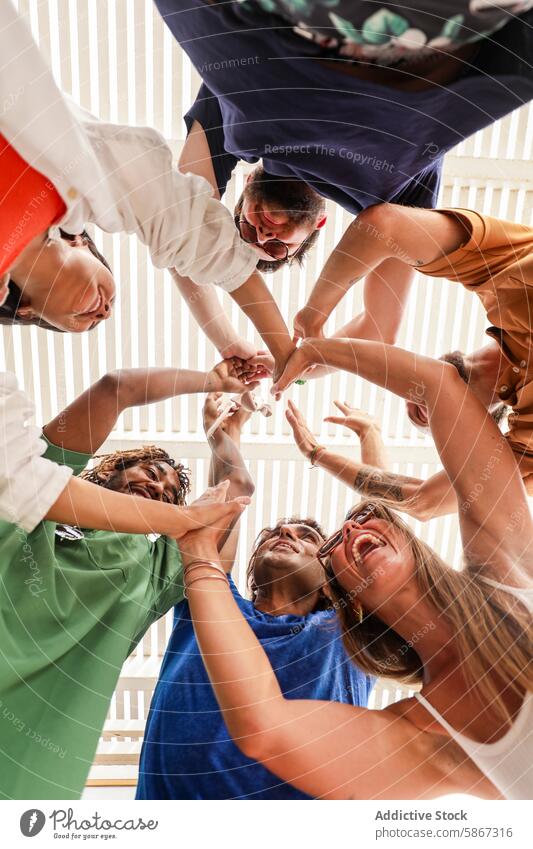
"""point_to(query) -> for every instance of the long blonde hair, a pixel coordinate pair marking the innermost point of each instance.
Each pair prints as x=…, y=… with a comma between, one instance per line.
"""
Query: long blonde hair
x=493, y=630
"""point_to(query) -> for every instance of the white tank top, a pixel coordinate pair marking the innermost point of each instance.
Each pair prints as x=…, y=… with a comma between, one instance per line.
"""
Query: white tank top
x=509, y=761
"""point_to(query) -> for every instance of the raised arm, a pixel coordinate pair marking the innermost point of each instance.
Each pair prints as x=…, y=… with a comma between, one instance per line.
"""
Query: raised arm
x=385, y=293
x=88, y=505
x=257, y=303
x=374, y=244
x=480, y=465
x=203, y=301
x=252, y=296
x=86, y=423
x=326, y=749
x=423, y=500
x=227, y=463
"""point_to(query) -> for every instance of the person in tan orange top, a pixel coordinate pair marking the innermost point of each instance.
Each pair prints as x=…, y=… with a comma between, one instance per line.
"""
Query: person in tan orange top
x=491, y=258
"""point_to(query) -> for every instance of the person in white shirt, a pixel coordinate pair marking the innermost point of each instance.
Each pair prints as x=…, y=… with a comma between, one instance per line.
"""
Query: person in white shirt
x=122, y=179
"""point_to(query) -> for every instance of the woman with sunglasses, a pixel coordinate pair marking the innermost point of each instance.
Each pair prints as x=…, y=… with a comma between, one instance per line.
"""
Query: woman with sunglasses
x=465, y=635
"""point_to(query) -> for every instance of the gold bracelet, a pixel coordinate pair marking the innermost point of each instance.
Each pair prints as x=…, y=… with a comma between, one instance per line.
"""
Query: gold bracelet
x=201, y=578
x=196, y=564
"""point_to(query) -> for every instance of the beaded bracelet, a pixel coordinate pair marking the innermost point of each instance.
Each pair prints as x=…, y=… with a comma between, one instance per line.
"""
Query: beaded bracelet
x=314, y=453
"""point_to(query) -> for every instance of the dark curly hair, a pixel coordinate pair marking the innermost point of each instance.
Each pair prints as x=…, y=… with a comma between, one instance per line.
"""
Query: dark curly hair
x=301, y=203
x=119, y=461
x=8, y=310
x=263, y=536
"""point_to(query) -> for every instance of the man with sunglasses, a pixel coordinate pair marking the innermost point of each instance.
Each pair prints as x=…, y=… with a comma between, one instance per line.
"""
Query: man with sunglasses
x=187, y=752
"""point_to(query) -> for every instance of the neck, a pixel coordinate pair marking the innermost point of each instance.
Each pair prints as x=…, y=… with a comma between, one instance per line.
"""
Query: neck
x=283, y=597
x=486, y=365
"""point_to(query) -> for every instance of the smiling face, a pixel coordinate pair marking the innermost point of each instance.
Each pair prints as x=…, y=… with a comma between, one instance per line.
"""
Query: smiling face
x=288, y=550
x=373, y=559
x=274, y=210
x=156, y=480
x=65, y=285
x=266, y=222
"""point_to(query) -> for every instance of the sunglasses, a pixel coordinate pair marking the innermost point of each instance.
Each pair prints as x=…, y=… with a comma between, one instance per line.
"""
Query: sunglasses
x=354, y=515
x=275, y=248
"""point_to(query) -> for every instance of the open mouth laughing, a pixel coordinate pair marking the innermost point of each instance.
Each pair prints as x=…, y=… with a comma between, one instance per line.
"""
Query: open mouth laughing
x=364, y=545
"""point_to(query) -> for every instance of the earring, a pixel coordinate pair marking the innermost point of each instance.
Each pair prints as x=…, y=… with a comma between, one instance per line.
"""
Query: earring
x=359, y=614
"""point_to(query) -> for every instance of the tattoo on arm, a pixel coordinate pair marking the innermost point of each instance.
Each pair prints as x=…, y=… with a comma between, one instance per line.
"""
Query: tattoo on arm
x=379, y=484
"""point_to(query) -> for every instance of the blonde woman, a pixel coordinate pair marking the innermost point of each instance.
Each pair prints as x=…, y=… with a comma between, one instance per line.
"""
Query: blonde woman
x=466, y=636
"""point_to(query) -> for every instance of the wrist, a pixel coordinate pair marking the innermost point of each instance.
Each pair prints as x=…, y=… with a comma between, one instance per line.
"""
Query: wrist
x=314, y=319
x=316, y=453
x=367, y=431
x=198, y=550
x=312, y=351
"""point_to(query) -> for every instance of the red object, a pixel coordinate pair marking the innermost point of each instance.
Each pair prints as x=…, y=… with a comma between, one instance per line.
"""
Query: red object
x=29, y=204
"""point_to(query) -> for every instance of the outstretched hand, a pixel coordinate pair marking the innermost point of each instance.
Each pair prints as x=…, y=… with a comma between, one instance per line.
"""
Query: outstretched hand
x=210, y=518
x=303, y=436
x=353, y=418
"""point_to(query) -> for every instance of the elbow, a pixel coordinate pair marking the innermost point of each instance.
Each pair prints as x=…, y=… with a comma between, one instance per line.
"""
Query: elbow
x=421, y=512
x=243, y=485
x=256, y=737
x=117, y=384
x=378, y=220
x=422, y=508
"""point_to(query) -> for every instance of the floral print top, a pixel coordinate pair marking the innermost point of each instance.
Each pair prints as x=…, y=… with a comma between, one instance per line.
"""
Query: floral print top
x=389, y=32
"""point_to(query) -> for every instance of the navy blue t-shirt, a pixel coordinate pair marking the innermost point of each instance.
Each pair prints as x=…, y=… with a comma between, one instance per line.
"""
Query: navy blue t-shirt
x=187, y=752
x=356, y=142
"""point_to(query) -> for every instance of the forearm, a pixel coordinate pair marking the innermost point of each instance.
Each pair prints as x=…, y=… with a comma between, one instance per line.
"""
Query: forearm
x=257, y=303
x=239, y=670
x=227, y=463
x=373, y=452
x=209, y=313
x=373, y=482
x=87, y=505
x=136, y=387
x=359, y=251
x=402, y=372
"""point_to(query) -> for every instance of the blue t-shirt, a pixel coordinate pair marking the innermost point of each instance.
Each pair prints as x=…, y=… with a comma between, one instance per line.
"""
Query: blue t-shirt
x=187, y=751
x=266, y=96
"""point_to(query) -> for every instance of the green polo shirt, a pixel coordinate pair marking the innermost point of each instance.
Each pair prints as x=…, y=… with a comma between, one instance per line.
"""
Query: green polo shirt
x=70, y=613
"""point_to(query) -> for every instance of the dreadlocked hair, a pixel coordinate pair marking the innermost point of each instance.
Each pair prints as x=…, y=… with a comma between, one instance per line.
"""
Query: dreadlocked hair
x=119, y=461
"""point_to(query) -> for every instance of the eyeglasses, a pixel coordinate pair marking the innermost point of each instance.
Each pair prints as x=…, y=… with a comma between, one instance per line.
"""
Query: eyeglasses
x=275, y=248
x=354, y=515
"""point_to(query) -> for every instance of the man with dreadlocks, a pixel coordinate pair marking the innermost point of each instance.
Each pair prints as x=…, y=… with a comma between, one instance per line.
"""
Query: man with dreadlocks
x=187, y=751
x=74, y=602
